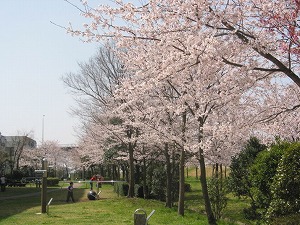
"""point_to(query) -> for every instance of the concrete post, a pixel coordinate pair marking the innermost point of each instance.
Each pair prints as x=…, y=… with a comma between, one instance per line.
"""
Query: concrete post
x=44, y=186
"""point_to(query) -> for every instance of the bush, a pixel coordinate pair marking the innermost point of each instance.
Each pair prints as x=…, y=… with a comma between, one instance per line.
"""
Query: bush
x=158, y=190
x=121, y=188
x=52, y=181
x=16, y=175
x=262, y=174
x=139, y=191
x=240, y=167
x=187, y=187
x=286, y=220
x=251, y=213
x=218, y=189
x=286, y=186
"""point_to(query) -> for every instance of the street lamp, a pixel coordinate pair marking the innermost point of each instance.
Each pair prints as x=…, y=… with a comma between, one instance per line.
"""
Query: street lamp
x=44, y=185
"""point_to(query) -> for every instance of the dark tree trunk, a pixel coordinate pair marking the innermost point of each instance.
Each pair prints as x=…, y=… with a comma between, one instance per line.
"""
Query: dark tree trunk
x=181, y=184
x=145, y=191
x=187, y=172
x=210, y=216
x=175, y=173
x=181, y=168
x=169, y=177
x=131, y=172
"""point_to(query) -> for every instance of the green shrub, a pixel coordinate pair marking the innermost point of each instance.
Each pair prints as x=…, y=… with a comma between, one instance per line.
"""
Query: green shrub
x=187, y=187
x=286, y=220
x=218, y=189
x=158, y=190
x=240, y=167
x=240, y=170
x=121, y=188
x=138, y=191
x=262, y=173
x=52, y=181
x=251, y=213
x=286, y=186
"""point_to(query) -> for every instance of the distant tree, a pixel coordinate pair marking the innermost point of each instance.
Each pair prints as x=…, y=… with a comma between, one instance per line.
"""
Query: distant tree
x=59, y=159
x=241, y=165
x=94, y=84
x=17, y=145
x=94, y=87
x=3, y=153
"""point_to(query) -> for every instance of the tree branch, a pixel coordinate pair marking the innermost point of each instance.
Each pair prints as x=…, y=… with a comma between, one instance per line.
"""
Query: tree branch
x=255, y=68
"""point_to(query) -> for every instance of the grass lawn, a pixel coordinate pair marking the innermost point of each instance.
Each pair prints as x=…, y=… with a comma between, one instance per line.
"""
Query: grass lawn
x=110, y=209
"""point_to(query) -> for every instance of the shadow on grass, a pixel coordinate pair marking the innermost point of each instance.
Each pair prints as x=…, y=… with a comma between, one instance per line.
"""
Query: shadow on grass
x=18, y=199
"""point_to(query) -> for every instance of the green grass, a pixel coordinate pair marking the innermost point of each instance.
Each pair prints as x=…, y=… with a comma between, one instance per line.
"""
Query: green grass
x=109, y=210
x=233, y=211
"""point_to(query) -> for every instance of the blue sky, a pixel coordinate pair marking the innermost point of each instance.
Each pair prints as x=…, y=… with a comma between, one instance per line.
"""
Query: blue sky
x=35, y=54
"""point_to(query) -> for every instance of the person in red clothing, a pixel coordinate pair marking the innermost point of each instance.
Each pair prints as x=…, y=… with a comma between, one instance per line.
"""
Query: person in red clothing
x=94, y=178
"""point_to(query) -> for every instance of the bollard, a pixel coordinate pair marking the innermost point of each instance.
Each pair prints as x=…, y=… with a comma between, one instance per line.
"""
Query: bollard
x=140, y=217
x=49, y=205
x=153, y=211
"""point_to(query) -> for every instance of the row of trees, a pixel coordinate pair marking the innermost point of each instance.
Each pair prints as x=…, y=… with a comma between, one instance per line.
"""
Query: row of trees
x=106, y=137
x=61, y=160
x=192, y=77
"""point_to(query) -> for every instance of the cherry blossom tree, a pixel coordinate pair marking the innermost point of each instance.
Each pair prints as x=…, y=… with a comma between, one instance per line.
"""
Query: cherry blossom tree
x=285, y=25
x=277, y=112
x=94, y=85
x=250, y=34
x=49, y=150
x=209, y=53
x=58, y=158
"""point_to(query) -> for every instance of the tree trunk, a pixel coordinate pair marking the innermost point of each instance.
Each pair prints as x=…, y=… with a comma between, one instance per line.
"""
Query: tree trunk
x=131, y=172
x=169, y=178
x=181, y=168
x=145, y=192
x=181, y=184
x=118, y=172
x=187, y=172
x=174, y=172
x=210, y=216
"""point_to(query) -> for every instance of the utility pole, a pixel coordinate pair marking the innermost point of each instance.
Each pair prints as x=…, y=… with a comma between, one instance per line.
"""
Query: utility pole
x=44, y=186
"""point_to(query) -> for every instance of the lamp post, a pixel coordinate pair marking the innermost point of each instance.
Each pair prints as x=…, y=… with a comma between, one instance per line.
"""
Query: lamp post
x=44, y=186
